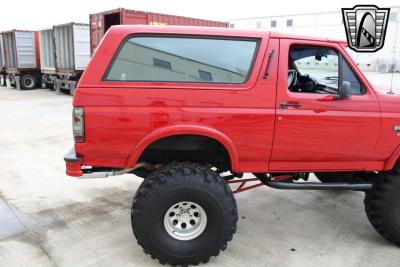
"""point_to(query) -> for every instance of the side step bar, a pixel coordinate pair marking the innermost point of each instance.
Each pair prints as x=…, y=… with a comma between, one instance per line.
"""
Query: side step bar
x=318, y=186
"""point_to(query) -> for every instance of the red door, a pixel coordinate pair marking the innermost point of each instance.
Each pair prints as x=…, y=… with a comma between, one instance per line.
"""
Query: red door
x=313, y=131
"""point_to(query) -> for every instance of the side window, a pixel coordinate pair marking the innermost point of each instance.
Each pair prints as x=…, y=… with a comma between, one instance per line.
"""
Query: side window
x=183, y=59
x=319, y=70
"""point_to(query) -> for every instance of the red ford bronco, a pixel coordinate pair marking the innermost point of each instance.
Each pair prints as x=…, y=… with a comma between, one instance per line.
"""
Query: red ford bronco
x=192, y=109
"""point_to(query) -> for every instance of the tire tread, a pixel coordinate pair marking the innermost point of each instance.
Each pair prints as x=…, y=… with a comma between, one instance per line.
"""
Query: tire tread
x=158, y=178
x=376, y=203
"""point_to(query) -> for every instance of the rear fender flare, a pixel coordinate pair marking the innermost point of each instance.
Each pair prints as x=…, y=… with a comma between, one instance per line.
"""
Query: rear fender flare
x=180, y=130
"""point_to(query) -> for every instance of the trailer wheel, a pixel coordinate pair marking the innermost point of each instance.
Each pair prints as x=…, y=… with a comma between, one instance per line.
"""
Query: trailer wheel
x=28, y=81
x=382, y=206
x=183, y=213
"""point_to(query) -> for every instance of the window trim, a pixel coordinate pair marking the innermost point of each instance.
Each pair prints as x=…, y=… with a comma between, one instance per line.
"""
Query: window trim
x=341, y=59
x=216, y=37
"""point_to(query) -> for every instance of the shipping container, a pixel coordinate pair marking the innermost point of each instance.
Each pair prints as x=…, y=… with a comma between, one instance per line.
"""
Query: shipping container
x=2, y=63
x=101, y=22
x=22, y=58
x=1, y=53
x=72, y=53
x=47, y=51
x=47, y=58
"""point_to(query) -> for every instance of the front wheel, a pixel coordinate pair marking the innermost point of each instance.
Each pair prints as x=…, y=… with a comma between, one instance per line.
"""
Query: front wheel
x=183, y=213
x=382, y=205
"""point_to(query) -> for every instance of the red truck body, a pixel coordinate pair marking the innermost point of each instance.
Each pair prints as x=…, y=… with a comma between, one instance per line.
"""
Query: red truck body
x=324, y=134
x=191, y=109
x=101, y=22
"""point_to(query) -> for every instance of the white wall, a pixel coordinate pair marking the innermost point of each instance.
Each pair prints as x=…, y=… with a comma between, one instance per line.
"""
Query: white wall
x=330, y=25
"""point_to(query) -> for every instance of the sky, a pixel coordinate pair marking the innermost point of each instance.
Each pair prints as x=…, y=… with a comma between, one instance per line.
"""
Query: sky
x=40, y=14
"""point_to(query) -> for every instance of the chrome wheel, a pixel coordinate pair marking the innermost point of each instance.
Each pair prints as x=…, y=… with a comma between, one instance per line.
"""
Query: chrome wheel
x=185, y=220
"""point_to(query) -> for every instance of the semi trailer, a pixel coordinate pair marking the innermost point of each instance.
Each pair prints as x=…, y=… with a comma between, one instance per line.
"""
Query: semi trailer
x=22, y=58
x=47, y=58
x=72, y=53
x=56, y=57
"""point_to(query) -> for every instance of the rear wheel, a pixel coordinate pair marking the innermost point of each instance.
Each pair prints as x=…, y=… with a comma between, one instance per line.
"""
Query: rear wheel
x=184, y=213
x=382, y=205
x=28, y=81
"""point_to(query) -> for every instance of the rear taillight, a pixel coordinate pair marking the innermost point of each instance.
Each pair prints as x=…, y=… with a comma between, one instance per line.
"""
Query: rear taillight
x=78, y=124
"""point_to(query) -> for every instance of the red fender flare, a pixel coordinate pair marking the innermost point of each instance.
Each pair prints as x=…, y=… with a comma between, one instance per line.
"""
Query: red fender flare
x=392, y=160
x=184, y=129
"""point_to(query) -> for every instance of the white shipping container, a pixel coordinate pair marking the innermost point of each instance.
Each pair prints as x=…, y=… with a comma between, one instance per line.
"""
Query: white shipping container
x=47, y=50
x=19, y=49
x=72, y=43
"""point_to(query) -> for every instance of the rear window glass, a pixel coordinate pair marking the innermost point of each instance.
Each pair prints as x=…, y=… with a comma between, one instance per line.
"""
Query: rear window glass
x=183, y=59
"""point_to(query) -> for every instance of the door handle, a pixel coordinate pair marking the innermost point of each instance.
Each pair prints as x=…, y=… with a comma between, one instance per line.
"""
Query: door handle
x=290, y=104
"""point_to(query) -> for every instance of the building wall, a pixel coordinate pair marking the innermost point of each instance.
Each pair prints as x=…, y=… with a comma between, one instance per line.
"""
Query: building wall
x=330, y=25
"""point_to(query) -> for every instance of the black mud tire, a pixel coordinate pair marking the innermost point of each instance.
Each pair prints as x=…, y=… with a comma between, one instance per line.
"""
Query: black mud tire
x=382, y=205
x=175, y=183
x=28, y=81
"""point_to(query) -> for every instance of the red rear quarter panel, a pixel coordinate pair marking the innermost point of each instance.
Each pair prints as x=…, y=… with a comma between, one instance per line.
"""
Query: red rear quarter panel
x=122, y=118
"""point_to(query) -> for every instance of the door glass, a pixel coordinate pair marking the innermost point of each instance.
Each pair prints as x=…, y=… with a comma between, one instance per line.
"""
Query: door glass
x=313, y=70
x=317, y=70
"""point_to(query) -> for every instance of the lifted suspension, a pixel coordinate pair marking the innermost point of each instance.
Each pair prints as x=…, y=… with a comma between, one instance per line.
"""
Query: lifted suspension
x=285, y=181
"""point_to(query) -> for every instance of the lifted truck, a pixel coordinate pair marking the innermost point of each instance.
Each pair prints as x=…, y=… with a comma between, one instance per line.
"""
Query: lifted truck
x=192, y=109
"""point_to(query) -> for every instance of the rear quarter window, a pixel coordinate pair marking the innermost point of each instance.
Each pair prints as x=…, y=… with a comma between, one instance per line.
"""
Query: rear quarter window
x=183, y=59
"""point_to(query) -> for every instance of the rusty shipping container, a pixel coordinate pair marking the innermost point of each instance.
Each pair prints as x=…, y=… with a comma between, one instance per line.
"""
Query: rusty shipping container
x=101, y=22
x=22, y=58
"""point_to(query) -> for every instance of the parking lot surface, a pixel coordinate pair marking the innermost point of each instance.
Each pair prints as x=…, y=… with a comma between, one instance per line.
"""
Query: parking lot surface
x=50, y=219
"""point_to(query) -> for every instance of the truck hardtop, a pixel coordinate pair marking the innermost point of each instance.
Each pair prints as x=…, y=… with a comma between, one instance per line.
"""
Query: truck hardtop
x=195, y=111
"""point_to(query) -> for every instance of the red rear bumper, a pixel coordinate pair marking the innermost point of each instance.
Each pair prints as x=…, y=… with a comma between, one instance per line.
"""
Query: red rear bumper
x=73, y=164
